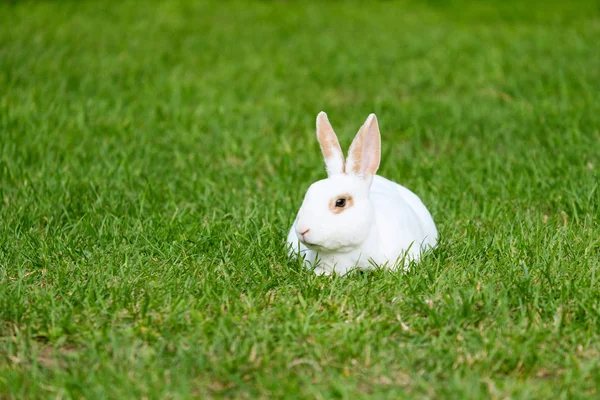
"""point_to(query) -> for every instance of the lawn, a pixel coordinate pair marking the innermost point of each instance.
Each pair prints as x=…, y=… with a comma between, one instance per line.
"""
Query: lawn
x=153, y=156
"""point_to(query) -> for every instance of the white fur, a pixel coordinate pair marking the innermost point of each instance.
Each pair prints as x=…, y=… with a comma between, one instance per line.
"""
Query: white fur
x=387, y=225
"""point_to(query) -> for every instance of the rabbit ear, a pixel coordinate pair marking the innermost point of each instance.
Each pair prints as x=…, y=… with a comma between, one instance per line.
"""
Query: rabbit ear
x=332, y=152
x=365, y=152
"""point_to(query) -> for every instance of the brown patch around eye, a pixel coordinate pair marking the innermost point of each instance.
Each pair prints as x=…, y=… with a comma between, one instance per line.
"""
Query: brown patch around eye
x=337, y=207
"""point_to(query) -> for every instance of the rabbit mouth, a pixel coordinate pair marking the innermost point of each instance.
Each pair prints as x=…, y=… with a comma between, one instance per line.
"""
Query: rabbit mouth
x=309, y=244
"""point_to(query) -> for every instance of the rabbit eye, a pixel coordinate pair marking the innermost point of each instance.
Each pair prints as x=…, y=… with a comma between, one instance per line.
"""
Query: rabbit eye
x=341, y=203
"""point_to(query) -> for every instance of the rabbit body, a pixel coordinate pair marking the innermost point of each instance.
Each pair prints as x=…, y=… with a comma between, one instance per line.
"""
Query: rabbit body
x=401, y=230
x=355, y=218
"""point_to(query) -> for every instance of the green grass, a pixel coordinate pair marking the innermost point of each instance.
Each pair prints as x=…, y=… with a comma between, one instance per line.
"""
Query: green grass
x=152, y=158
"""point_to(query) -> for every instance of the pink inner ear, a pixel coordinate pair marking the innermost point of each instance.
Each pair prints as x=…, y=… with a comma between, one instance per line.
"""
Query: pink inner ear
x=365, y=152
x=355, y=155
x=330, y=146
x=371, y=149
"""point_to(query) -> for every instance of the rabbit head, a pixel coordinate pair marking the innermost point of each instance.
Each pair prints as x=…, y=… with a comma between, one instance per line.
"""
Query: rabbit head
x=336, y=213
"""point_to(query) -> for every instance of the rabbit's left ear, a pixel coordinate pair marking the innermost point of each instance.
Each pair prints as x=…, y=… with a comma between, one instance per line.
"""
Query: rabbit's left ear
x=330, y=146
x=365, y=152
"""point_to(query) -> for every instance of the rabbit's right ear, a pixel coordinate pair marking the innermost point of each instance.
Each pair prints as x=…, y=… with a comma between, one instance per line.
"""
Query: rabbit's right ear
x=332, y=152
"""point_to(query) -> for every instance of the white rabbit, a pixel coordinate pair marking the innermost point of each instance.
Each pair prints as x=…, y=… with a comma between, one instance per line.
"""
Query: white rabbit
x=354, y=218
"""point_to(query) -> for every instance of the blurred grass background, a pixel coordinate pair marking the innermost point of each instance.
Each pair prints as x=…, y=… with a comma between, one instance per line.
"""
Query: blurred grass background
x=153, y=156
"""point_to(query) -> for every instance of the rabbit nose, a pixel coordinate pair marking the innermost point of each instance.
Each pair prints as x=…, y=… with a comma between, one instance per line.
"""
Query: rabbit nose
x=301, y=231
